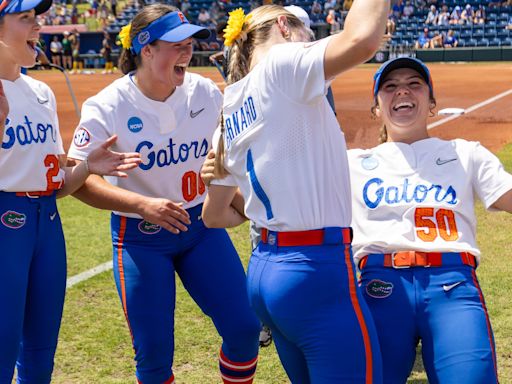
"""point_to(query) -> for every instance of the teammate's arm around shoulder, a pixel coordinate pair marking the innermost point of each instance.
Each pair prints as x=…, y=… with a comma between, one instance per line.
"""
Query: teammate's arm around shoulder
x=101, y=161
x=218, y=208
x=361, y=37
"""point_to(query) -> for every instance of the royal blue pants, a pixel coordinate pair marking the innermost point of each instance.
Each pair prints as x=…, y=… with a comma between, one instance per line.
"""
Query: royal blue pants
x=309, y=298
x=32, y=286
x=146, y=258
x=441, y=306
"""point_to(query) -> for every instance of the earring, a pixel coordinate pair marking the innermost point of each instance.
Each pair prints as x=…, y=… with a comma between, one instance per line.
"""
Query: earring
x=287, y=35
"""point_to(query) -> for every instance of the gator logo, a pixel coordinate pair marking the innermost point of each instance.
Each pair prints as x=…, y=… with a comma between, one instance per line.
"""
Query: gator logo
x=14, y=220
x=379, y=289
x=149, y=228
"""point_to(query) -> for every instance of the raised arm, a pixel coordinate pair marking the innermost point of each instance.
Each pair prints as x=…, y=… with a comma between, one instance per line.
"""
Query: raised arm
x=361, y=37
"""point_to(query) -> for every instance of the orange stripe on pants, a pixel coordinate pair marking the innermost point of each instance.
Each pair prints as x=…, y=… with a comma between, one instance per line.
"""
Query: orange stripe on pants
x=359, y=314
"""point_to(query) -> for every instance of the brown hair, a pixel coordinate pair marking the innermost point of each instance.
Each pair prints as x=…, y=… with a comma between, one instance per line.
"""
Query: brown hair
x=128, y=61
x=255, y=31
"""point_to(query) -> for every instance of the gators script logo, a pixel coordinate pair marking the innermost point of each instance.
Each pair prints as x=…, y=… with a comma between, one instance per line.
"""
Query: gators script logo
x=149, y=228
x=14, y=220
x=379, y=289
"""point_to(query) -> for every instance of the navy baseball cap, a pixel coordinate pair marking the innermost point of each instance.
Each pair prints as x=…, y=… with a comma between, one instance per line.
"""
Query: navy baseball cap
x=17, y=6
x=402, y=62
x=172, y=27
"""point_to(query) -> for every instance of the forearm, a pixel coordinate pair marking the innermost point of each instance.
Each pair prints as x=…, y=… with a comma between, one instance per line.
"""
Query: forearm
x=218, y=209
x=100, y=194
x=74, y=178
x=238, y=203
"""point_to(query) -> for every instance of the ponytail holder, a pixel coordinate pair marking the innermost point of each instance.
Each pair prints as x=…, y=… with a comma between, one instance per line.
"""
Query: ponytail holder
x=233, y=30
x=124, y=36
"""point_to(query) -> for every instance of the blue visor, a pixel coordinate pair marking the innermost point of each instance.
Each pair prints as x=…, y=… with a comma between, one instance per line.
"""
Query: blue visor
x=401, y=62
x=17, y=6
x=172, y=27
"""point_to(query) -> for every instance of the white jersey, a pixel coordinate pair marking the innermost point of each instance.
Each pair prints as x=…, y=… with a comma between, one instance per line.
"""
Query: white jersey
x=31, y=143
x=421, y=196
x=173, y=137
x=284, y=148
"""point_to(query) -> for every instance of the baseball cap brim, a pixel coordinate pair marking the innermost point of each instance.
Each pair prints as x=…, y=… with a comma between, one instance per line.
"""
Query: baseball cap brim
x=184, y=31
x=401, y=62
x=17, y=6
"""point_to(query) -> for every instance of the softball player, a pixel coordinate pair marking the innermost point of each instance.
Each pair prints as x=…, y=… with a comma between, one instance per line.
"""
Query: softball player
x=283, y=148
x=168, y=116
x=33, y=259
x=414, y=234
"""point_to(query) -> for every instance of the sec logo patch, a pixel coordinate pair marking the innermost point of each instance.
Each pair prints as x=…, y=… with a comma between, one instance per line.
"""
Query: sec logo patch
x=82, y=137
x=135, y=124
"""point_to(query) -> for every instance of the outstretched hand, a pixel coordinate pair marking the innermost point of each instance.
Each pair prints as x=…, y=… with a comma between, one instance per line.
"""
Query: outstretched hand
x=105, y=162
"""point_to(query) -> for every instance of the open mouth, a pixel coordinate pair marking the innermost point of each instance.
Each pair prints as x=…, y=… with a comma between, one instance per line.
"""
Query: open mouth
x=403, y=106
x=179, y=69
x=32, y=44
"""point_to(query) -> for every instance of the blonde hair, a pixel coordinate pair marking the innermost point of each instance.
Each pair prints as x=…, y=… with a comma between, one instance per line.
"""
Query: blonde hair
x=128, y=61
x=255, y=31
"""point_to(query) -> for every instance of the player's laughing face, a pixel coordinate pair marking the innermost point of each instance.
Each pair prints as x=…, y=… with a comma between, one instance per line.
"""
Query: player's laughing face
x=170, y=60
x=404, y=100
x=19, y=34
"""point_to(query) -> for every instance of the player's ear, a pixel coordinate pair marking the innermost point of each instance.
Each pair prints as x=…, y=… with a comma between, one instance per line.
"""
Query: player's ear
x=147, y=51
x=377, y=110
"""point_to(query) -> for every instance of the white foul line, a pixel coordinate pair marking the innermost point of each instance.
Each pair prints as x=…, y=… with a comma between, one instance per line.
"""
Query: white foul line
x=73, y=280
x=88, y=274
x=470, y=109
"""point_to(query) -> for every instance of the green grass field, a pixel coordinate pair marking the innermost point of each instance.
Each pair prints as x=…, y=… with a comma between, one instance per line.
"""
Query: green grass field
x=95, y=344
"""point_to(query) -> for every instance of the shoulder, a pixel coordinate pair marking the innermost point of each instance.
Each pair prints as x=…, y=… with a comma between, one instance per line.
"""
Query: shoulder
x=37, y=85
x=110, y=96
x=195, y=81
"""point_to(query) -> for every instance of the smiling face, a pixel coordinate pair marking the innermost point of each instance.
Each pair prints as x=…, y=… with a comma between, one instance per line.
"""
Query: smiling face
x=404, y=105
x=19, y=34
x=168, y=61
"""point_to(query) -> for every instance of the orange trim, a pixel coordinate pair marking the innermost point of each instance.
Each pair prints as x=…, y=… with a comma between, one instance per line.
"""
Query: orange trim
x=120, y=243
x=4, y=5
x=487, y=320
x=360, y=318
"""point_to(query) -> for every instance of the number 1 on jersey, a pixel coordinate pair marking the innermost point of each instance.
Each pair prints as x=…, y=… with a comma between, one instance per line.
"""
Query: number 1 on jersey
x=435, y=223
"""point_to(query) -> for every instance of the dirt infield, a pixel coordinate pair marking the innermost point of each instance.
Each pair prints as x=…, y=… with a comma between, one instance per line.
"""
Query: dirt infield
x=456, y=85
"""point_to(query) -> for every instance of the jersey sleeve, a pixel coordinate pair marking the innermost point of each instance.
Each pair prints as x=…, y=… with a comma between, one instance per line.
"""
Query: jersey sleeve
x=490, y=179
x=229, y=180
x=94, y=128
x=298, y=69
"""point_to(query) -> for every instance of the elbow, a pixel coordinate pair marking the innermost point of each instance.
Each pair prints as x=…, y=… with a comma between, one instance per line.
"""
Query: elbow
x=365, y=47
x=210, y=218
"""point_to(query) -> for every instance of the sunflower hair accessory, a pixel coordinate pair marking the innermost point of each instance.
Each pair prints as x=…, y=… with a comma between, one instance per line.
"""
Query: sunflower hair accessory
x=233, y=30
x=124, y=36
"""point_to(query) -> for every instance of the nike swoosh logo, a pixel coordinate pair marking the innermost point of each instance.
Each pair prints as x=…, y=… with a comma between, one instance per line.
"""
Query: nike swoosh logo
x=449, y=287
x=194, y=114
x=441, y=162
x=42, y=101
x=52, y=216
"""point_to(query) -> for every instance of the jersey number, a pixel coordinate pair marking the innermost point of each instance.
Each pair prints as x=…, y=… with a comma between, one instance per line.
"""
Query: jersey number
x=52, y=163
x=435, y=223
x=191, y=185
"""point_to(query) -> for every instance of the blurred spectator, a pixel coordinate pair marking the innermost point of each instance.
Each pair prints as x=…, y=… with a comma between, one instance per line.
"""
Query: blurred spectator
x=432, y=16
x=444, y=16
x=423, y=40
x=338, y=6
x=106, y=53
x=56, y=51
x=509, y=25
x=113, y=7
x=479, y=16
x=332, y=20
x=408, y=10
x=455, y=17
x=254, y=4
x=397, y=9
x=316, y=8
x=220, y=59
x=329, y=4
x=74, y=14
x=467, y=15
x=347, y=4
x=204, y=18
x=437, y=40
x=390, y=25
x=103, y=14
x=185, y=7
x=67, y=61
x=450, y=41
x=78, y=64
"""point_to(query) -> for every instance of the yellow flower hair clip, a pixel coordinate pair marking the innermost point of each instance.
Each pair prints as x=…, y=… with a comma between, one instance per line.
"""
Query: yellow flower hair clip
x=233, y=30
x=124, y=36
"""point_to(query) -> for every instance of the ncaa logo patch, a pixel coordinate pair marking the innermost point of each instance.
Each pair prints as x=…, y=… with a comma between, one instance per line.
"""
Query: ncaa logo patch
x=148, y=228
x=379, y=289
x=81, y=138
x=144, y=37
x=135, y=124
x=13, y=219
x=369, y=163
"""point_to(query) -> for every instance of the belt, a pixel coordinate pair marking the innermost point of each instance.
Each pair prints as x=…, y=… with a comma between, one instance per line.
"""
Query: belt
x=330, y=235
x=35, y=194
x=408, y=259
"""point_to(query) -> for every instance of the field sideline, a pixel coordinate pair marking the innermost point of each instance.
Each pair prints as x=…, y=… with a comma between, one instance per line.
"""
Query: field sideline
x=94, y=345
